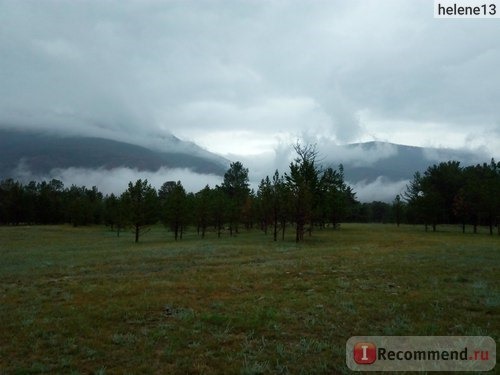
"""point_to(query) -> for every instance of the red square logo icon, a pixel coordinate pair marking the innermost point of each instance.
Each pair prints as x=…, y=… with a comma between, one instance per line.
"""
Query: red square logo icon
x=365, y=353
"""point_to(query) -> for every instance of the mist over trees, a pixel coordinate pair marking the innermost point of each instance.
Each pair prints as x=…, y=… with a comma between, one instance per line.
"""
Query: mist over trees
x=305, y=198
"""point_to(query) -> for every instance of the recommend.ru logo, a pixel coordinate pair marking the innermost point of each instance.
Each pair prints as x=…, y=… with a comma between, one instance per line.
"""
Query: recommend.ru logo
x=421, y=353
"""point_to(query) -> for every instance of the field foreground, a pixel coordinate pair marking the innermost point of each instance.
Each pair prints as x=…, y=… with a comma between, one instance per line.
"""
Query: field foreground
x=81, y=300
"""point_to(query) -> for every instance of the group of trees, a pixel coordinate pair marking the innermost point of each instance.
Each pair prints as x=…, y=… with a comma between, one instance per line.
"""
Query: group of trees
x=446, y=193
x=49, y=203
x=449, y=193
x=306, y=196
x=319, y=196
x=379, y=212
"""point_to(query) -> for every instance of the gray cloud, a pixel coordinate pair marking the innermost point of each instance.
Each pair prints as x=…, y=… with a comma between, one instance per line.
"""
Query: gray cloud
x=245, y=78
x=380, y=190
x=197, y=67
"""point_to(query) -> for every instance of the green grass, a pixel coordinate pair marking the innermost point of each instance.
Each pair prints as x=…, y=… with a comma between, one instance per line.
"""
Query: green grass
x=81, y=300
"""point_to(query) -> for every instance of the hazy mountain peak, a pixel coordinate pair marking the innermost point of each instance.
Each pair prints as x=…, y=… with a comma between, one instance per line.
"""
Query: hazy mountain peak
x=368, y=161
x=41, y=152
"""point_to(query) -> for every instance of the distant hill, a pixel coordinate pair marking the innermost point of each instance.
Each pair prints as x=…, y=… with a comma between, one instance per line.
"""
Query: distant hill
x=393, y=162
x=41, y=152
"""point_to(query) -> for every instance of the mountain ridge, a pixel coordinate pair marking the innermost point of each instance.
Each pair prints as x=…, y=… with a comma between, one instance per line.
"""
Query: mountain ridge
x=42, y=152
x=368, y=161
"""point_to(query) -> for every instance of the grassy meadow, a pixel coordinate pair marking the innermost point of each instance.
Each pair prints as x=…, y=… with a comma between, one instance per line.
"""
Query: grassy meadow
x=82, y=301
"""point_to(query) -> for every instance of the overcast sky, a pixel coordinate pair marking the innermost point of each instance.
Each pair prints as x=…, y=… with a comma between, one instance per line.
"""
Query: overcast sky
x=246, y=77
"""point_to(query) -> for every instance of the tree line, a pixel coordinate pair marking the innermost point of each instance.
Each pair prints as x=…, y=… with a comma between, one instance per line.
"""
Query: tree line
x=305, y=197
x=445, y=193
x=450, y=193
x=302, y=198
